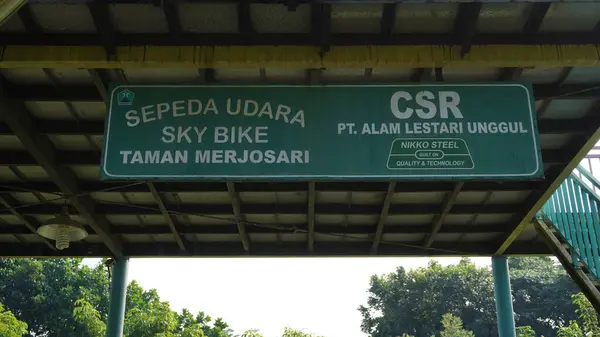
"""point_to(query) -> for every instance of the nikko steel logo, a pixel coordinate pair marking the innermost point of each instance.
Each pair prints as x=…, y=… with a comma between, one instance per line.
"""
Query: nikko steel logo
x=125, y=97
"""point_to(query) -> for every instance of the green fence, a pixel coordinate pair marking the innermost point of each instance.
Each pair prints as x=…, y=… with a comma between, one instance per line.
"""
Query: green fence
x=573, y=212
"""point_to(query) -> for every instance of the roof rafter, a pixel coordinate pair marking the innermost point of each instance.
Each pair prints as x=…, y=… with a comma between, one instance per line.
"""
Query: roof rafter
x=321, y=25
x=287, y=208
x=103, y=22
x=295, y=39
x=311, y=216
x=213, y=186
x=215, y=249
x=31, y=25
x=465, y=24
x=299, y=228
x=89, y=93
x=18, y=118
x=385, y=208
x=577, y=148
x=166, y=214
x=236, y=204
x=388, y=19
x=438, y=221
x=171, y=12
x=30, y=222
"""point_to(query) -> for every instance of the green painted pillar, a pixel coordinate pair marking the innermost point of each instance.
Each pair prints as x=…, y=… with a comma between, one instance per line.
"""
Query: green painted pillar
x=118, y=294
x=504, y=308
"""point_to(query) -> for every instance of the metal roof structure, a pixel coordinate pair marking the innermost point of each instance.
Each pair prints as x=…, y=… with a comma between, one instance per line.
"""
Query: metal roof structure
x=58, y=57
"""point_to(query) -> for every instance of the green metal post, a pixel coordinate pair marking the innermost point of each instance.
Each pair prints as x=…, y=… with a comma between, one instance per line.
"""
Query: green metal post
x=118, y=293
x=504, y=307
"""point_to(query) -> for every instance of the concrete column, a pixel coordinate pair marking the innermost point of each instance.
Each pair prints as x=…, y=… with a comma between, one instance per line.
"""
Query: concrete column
x=504, y=308
x=118, y=294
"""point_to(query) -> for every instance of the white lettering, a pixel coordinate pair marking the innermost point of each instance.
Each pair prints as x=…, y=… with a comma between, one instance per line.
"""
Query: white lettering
x=132, y=119
x=451, y=104
x=168, y=134
x=394, y=105
x=147, y=113
x=125, y=155
x=422, y=100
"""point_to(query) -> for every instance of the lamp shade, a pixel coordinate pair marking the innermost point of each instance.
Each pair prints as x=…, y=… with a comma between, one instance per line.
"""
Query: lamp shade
x=63, y=230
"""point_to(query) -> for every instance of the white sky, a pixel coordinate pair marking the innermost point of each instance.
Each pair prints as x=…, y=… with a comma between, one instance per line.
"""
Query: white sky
x=317, y=295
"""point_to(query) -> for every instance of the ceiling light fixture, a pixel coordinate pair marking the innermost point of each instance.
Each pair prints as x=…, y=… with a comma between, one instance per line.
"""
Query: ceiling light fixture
x=62, y=229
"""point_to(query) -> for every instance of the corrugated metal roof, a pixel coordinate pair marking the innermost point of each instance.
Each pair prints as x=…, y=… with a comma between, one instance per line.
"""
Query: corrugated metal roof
x=66, y=106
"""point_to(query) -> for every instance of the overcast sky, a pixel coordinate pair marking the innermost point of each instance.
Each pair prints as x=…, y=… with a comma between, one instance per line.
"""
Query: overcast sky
x=320, y=296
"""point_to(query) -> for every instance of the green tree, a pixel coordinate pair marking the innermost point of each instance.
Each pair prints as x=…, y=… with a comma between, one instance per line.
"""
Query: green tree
x=413, y=301
x=289, y=332
x=62, y=297
x=588, y=317
x=453, y=327
x=572, y=330
x=587, y=314
x=42, y=293
x=525, y=331
x=542, y=294
x=86, y=315
x=10, y=326
x=251, y=333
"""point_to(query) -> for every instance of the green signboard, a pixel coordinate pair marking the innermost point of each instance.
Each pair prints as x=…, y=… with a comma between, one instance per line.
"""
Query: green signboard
x=336, y=132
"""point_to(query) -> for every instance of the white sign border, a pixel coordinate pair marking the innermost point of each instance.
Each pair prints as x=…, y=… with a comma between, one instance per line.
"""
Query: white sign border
x=309, y=176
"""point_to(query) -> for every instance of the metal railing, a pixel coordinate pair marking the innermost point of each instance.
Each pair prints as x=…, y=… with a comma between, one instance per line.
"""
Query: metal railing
x=573, y=212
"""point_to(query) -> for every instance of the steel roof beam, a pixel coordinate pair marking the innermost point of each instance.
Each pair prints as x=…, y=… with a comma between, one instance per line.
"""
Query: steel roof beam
x=30, y=222
x=320, y=26
x=211, y=187
x=465, y=25
x=238, y=211
x=23, y=158
x=385, y=208
x=510, y=74
x=153, y=2
x=300, y=228
x=438, y=221
x=166, y=214
x=171, y=12
x=532, y=26
x=244, y=18
x=322, y=248
x=388, y=18
x=79, y=93
x=311, y=216
x=225, y=210
x=419, y=74
x=578, y=147
x=103, y=22
x=536, y=17
x=18, y=118
x=543, y=108
x=31, y=25
x=294, y=39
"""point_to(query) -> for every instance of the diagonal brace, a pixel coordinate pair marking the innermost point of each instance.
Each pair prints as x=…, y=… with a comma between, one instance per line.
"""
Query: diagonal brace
x=19, y=120
x=166, y=214
x=236, y=203
x=438, y=221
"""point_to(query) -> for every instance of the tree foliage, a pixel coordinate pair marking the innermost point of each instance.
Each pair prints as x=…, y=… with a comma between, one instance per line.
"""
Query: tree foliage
x=62, y=297
x=412, y=302
x=453, y=327
x=10, y=326
x=587, y=316
x=525, y=331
